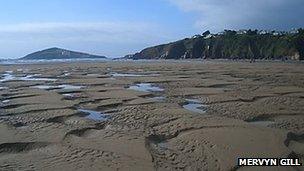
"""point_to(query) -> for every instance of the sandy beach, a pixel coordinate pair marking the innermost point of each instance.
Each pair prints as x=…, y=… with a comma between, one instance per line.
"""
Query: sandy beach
x=157, y=115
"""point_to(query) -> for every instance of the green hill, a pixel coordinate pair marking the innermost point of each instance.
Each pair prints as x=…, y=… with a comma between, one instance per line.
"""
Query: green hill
x=57, y=53
x=230, y=45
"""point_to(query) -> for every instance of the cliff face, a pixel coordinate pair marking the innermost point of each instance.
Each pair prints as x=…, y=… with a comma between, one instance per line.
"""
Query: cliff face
x=230, y=46
x=57, y=53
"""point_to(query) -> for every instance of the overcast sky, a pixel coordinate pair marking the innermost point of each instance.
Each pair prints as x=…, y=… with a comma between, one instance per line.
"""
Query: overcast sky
x=119, y=27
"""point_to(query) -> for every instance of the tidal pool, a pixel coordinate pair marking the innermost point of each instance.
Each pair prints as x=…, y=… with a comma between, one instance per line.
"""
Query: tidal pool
x=8, y=76
x=158, y=98
x=5, y=101
x=34, y=78
x=93, y=75
x=70, y=87
x=65, y=74
x=196, y=106
x=71, y=96
x=262, y=123
x=94, y=115
x=63, y=87
x=131, y=75
x=3, y=88
x=146, y=87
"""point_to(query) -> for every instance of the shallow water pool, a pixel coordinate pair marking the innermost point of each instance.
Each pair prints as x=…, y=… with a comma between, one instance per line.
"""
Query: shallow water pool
x=146, y=87
x=195, y=105
x=95, y=115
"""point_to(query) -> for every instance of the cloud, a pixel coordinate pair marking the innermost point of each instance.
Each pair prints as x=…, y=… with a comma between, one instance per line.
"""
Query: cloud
x=217, y=15
x=98, y=31
x=106, y=38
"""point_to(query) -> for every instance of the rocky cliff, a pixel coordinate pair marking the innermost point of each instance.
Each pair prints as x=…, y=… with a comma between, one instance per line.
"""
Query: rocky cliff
x=230, y=45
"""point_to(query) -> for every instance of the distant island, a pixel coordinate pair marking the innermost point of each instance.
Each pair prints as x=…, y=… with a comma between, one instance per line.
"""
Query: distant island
x=57, y=53
x=230, y=44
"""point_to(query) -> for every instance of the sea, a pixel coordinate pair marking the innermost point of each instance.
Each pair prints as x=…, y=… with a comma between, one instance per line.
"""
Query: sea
x=18, y=61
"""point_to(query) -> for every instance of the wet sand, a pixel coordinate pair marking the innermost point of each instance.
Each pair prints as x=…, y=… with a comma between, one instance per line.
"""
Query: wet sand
x=158, y=115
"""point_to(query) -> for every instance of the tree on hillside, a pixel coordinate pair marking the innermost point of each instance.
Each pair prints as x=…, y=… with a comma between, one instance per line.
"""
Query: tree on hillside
x=230, y=32
x=206, y=33
x=299, y=43
x=252, y=32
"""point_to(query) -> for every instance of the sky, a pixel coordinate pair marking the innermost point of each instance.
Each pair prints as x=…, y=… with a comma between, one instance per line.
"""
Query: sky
x=115, y=28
